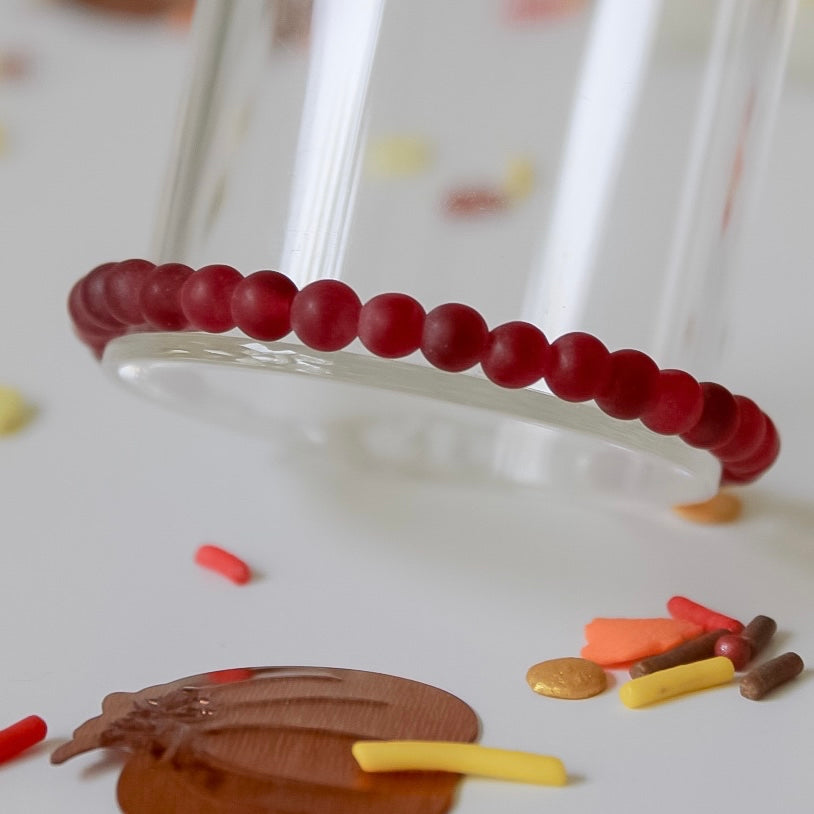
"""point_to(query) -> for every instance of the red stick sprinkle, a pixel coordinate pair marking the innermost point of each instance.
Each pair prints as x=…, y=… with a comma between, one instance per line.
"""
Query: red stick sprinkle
x=230, y=566
x=21, y=736
x=682, y=608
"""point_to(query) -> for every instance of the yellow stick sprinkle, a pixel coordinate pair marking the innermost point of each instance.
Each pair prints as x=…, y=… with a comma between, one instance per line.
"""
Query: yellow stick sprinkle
x=463, y=758
x=664, y=684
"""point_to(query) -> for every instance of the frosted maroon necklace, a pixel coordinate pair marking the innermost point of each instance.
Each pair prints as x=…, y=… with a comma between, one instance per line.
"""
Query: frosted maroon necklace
x=327, y=315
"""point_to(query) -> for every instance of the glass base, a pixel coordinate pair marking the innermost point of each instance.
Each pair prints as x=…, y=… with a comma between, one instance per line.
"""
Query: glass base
x=376, y=412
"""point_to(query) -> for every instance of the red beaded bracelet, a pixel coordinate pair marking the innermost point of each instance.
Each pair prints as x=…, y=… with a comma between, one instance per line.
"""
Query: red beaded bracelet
x=327, y=315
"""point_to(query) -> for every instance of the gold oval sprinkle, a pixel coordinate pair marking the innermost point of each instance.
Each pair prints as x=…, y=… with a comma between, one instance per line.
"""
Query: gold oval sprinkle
x=570, y=678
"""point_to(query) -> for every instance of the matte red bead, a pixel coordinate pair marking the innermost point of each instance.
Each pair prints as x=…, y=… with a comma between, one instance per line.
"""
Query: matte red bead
x=92, y=296
x=390, y=325
x=579, y=367
x=676, y=405
x=516, y=354
x=454, y=337
x=206, y=298
x=79, y=315
x=261, y=305
x=325, y=315
x=749, y=432
x=160, y=294
x=122, y=287
x=718, y=418
x=631, y=385
x=95, y=338
x=753, y=467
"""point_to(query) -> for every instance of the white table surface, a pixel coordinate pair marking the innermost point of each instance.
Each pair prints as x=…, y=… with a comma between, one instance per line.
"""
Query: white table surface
x=105, y=498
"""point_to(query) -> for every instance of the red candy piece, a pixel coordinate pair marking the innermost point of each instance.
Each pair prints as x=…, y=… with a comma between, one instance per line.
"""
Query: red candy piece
x=631, y=385
x=680, y=607
x=676, y=405
x=220, y=560
x=454, y=337
x=325, y=315
x=122, y=287
x=231, y=675
x=261, y=305
x=159, y=297
x=21, y=736
x=468, y=202
x=391, y=325
x=718, y=418
x=579, y=367
x=735, y=648
x=516, y=355
x=206, y=298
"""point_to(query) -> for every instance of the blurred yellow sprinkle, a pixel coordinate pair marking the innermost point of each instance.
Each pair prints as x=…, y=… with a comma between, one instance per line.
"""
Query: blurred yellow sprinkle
x=399, y=155
x=14, y=413
x=520, y=177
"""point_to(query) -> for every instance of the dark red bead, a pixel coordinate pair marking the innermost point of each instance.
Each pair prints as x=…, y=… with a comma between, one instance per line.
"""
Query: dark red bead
x=718, y=418
x=676, y=405
x=756, y=464
x=516, y=354
x=95, y=340
x=92, y=296
x=122, y=287
x=631, y=385
x=579, y=367
x=325, y=315
x=206, y=298
x=390, y=325
x=749, y=432
x=261, y=305
x=160, y=297
x=79, y=316
x=454, y=337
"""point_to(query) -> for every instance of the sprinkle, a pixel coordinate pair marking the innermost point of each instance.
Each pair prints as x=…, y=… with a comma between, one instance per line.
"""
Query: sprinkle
x=680, y=607
x=621, y=640
x=763, y=679
x=664, y=684
x=14, y=413
x=462, y=758
x=722, y=508
x=519, y=181
x=230, y=566
x=473, y=201
x=21, y=736
x=398, y=156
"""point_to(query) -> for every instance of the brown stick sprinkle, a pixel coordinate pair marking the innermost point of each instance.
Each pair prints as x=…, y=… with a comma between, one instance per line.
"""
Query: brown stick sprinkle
x=763, y=679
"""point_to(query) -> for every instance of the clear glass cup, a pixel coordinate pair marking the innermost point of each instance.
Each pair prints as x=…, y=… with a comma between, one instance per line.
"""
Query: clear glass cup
x=580, y=165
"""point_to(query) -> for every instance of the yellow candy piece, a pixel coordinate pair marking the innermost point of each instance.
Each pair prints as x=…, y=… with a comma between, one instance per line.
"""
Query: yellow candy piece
x=400, y=155
x=664, y=684
x=520, y=177
x=462, y=758
x=13, y=411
